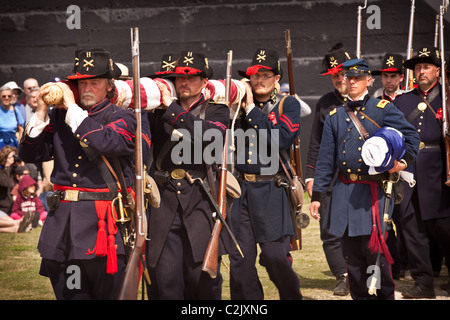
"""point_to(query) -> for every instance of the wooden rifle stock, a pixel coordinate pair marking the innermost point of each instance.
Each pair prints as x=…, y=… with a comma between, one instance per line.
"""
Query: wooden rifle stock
x=445, y=93
x=296, y=243
x=211, y=259
x=132, y=275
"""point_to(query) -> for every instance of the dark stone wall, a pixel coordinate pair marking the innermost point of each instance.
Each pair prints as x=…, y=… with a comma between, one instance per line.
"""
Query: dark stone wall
x=36, y=42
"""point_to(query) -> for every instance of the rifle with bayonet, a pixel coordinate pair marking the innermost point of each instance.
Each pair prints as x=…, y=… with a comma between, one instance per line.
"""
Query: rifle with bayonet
x=445, y=92
x=132, y=275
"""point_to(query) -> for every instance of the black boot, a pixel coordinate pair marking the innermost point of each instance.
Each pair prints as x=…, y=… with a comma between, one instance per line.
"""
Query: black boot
x=418, y=292
x=341, y=288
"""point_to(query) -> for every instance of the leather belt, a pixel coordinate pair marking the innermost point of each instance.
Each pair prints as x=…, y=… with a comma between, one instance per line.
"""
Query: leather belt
x=429, y=145
x=75, y=195
x=162, y=177
x=251, y=177
x=178, y=174
x=364, y=177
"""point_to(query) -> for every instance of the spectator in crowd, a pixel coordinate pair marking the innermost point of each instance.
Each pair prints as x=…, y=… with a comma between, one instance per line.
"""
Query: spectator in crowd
x=16, y=92
x=12, y=122
x=28, y=84
x=9, y=225
x=28, y=201
x=31, y=105
x=19, y=172
x=8, y=156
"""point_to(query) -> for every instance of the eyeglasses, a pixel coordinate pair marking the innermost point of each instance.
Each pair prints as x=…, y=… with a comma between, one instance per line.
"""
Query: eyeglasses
x=6, y=96
x=259, y=76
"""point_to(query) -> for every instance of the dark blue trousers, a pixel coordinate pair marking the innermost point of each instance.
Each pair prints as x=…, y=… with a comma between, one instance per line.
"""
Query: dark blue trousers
x=331, y=244
x=274, y=256
x=358, y=258
x=177, y=276
x=83, y=279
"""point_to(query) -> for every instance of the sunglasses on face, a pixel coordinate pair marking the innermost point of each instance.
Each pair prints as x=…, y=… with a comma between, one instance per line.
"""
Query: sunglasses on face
x=8, y=96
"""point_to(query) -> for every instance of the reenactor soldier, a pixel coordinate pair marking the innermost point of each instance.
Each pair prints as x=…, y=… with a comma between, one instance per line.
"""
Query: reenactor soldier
x=392, y=74
x=357, y=198
x=80, y=230
x=332, y=63
x=180, y=229
x=425, y=209
x=262, y=215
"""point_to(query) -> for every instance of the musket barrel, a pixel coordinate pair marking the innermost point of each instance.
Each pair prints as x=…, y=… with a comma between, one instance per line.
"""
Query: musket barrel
x=358, y=31
x=443, y=73
x=409, y=50
x=130, y=283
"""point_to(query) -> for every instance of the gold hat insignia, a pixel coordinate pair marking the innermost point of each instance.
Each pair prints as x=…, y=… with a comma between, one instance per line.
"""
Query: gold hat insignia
x=261, y=56
x=189, y=58
x=390, y=62
x=333, y=62
x=88, y=64
x=424, y=53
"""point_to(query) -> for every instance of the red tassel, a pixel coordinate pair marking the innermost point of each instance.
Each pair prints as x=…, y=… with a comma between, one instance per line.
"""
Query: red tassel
x=100, y=248
x=374, y=243
x=111, y=261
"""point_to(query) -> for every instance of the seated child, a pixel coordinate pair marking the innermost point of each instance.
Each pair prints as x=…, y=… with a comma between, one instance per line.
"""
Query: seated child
x=27, y=200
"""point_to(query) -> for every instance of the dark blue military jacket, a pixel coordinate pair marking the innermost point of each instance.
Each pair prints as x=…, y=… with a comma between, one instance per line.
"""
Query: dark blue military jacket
x=71, y=230
x=340, y=149
x=268, y=204
x=178, y=196
x=429, y=168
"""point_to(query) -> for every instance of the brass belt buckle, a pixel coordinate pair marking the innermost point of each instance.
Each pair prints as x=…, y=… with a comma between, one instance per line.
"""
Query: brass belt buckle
x=250, y=177
x=421, y=145
x=353, y=176
x=71, y=195
x=178, y=174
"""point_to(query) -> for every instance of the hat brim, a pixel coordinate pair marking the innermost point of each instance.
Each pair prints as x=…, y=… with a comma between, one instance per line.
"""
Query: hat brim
x=353, y=73
x=390, y=70
x=114, y=74
x=208, y=73
x=245, y=75
x=411, y=63
x=331, y=71
x=162, y=75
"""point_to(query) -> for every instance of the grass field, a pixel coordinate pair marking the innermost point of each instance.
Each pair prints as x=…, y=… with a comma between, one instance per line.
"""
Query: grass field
x=20, y=279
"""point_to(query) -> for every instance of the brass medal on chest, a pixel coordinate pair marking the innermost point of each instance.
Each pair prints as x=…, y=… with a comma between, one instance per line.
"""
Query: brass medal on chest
x=422, y=106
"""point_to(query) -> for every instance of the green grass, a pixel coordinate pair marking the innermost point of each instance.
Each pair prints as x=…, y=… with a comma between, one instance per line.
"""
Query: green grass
x=19, y=268
x=20, y=262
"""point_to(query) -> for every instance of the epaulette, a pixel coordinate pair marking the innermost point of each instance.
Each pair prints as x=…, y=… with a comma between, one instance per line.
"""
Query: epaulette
x=382, y=103
x=333, y=111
